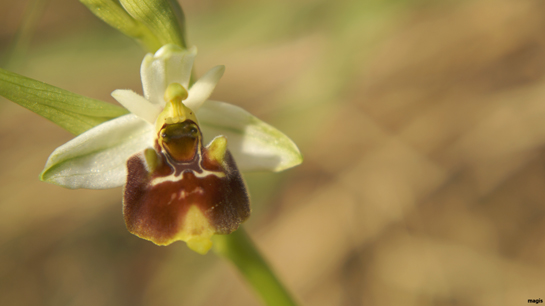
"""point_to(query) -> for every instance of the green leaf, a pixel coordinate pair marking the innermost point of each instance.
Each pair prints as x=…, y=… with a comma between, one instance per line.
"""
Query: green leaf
x=70, y=111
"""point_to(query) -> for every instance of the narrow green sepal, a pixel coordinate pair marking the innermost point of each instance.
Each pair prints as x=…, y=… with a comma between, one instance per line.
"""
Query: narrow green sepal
x=256, y=145
x=111, y=12
x=73, y=112
x=163, y=17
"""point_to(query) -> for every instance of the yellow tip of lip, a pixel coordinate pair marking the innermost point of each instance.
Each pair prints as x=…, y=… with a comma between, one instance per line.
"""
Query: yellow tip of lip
x=196, y=231
x=200, y=245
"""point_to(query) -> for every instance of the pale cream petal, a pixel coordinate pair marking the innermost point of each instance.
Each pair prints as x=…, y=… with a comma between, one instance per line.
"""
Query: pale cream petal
x=152, y=73
x=179, y=65
x=137, y=104
x=170, y=64
x=202, y=89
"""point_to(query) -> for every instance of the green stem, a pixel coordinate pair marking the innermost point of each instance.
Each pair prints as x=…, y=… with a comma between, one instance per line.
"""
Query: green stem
x=241, y=251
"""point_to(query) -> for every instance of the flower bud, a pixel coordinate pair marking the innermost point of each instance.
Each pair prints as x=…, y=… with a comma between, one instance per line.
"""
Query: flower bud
x=164, y=18
x=111, y=12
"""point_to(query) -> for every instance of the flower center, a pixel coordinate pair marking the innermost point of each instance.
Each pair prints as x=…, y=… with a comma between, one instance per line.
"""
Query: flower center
x=175, y=111
x=180, y=140
x=177, y=127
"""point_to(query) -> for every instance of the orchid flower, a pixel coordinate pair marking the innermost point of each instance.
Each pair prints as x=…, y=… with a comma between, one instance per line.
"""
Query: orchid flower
x=176, y=188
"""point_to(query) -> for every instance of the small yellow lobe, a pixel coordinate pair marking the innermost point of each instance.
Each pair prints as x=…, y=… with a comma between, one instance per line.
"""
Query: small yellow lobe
x=217, y=148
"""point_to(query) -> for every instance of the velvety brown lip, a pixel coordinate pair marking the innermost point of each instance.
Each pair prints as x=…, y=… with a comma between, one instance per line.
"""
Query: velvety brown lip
x=157, y=211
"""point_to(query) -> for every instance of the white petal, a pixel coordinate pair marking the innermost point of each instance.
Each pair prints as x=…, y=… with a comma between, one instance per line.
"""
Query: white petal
x=152, y=72
x=170, y=64
x=179, y=65
x=202, y=89
x=97, y=158
x=254, y=144
x=137, y=104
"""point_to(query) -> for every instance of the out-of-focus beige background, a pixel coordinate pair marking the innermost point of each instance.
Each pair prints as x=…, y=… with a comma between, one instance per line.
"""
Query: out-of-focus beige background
x=422, y=124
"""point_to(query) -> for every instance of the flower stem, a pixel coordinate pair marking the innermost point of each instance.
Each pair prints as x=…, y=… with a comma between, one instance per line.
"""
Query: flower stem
x=241, y=251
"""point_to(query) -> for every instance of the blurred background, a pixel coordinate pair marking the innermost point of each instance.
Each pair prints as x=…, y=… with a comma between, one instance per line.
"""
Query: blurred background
x=422, y=124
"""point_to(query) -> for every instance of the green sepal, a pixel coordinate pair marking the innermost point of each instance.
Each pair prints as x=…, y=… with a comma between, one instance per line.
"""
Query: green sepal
x=256, y=145
x=111, y=12
x=164, y=18
x=73, y=112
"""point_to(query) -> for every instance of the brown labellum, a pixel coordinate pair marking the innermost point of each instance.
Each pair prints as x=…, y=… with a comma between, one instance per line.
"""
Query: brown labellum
x=181, y=190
